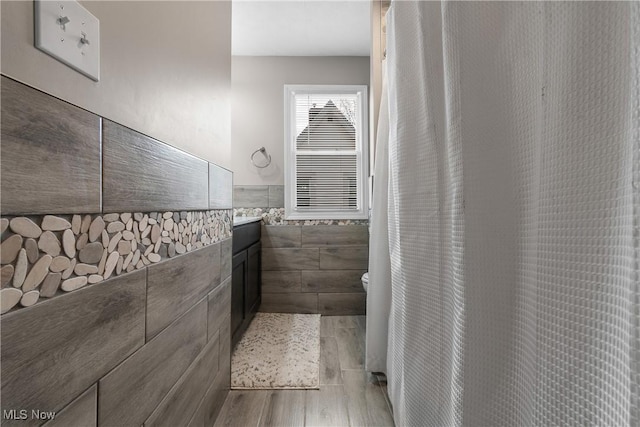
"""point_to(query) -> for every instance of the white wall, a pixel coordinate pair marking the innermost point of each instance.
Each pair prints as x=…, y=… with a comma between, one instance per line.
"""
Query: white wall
x=165, y=69
x=257, y=105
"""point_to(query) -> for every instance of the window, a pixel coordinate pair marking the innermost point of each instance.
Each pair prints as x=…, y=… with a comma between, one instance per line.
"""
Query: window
x=325, y=152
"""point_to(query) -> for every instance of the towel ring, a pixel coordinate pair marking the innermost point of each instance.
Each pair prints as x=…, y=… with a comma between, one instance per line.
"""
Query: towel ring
x=264, y=153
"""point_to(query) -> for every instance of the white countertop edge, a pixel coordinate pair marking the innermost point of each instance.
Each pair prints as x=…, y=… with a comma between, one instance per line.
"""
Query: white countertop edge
x=240, y=220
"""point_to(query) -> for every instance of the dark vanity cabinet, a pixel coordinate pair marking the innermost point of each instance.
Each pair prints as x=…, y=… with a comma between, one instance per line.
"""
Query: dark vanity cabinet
x=246, y=277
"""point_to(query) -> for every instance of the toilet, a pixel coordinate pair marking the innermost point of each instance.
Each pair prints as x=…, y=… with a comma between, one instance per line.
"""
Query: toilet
x=365, y=281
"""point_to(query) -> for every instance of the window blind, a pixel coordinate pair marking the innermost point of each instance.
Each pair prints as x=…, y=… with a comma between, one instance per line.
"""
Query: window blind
x=326, y=152
x=327, y=182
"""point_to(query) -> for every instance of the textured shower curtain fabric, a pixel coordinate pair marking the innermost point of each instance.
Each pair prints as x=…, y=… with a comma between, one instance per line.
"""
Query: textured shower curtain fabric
x=514, y=205
x=379, y=290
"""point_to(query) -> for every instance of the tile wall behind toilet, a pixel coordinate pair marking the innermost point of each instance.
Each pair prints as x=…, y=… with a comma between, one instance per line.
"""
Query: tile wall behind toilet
x=312, y=266
x=116, y=263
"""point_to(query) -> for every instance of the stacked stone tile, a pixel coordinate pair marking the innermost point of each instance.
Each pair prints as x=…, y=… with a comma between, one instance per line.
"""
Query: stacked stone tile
x=48, y=255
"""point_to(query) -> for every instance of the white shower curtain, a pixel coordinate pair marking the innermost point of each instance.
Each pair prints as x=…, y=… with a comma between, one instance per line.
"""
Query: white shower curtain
x=514, y=174
x=379, y=290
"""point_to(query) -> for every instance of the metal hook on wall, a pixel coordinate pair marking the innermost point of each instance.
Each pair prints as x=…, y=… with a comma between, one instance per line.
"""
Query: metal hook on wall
x=264, y=153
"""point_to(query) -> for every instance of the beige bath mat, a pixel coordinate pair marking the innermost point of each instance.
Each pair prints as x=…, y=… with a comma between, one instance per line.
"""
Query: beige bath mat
x=278, y=351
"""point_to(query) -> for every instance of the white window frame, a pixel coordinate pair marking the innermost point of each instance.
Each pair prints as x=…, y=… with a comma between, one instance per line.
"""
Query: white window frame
x=362, y=152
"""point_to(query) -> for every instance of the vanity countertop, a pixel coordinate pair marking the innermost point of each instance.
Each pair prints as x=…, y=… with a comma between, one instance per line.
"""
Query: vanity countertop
x=240, y=220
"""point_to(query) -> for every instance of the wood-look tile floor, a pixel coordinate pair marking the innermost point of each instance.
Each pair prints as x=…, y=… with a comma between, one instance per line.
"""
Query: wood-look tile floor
x=348, y=395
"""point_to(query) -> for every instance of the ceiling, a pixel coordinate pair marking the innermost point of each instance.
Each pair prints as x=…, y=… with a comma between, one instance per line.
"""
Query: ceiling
x=301, y=28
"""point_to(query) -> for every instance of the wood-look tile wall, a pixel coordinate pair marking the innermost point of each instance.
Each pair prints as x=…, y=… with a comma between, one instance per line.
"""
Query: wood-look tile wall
x=178, y=284
x=314, y=268
x=150, y=347
x=54, y=351
x=220, y=188
x=142, y=174
x=258, y=196
x=50, y=154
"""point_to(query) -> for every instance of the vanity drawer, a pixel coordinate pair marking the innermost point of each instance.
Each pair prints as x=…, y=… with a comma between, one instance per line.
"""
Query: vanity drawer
x=245, y=235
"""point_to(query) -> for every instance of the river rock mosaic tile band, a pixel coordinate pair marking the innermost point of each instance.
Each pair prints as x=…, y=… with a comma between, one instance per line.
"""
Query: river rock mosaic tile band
x=275, y=216
x=45, y=256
